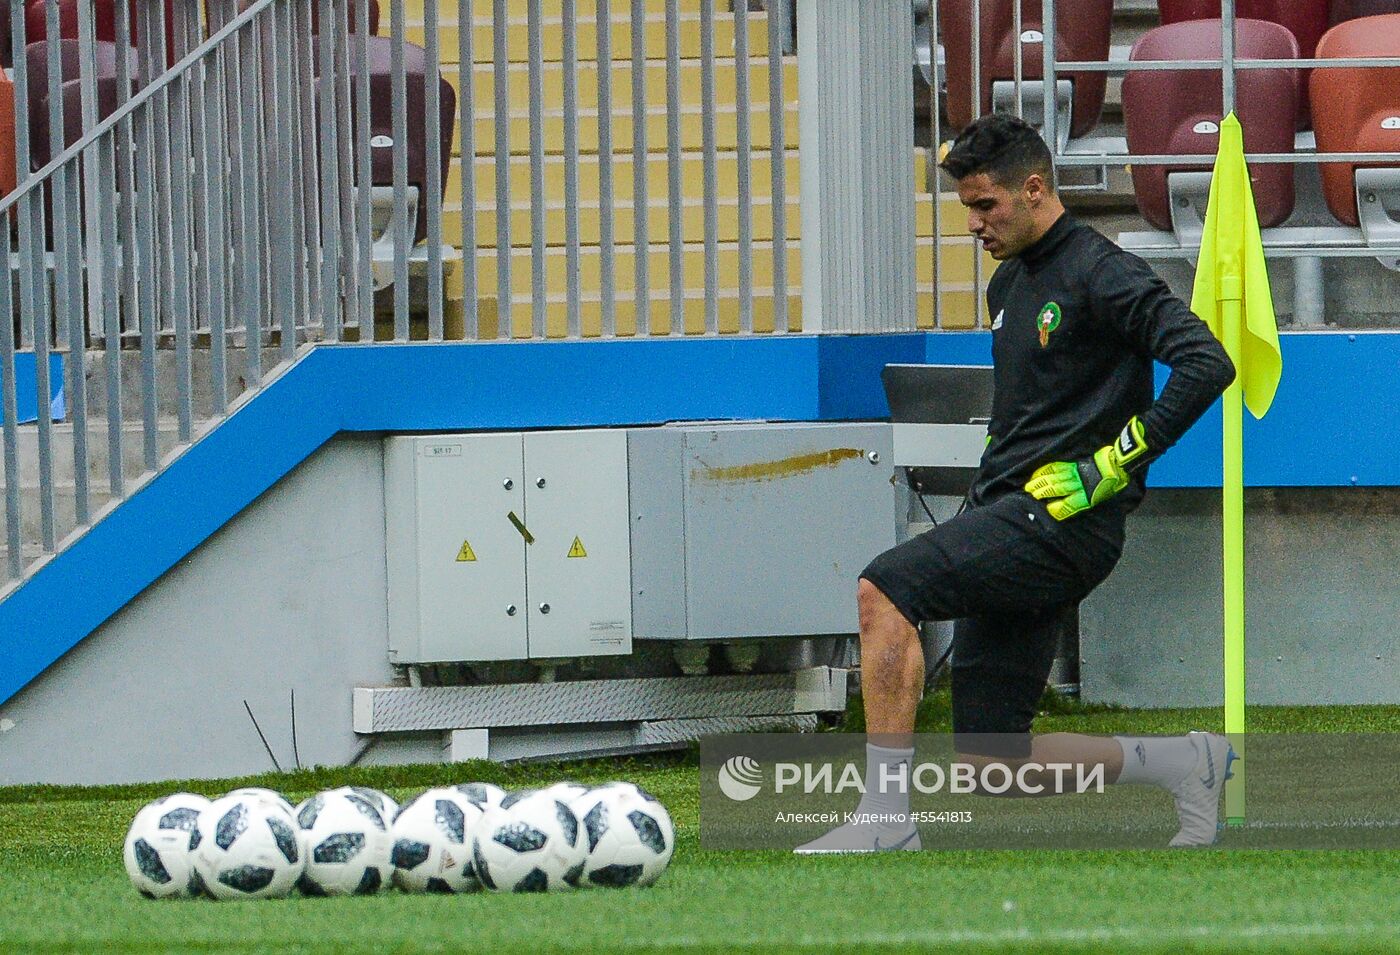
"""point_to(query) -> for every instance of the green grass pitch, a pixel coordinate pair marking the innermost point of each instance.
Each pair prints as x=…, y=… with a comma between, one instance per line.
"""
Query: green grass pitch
x=63, y=889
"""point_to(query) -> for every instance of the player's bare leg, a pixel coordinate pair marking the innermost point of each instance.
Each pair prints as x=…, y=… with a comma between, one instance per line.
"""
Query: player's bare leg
x=892, y=682
x=891, y=668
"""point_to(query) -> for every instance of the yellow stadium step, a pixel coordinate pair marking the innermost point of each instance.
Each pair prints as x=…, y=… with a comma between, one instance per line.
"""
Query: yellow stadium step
x=959, y=305
x=658, y=222
x=624, y=220
x=624, y=258
x=625, y=316
x=692, y=171
x=552, y=38
x=691, y=130
x=654, y=80
x=519, y=9
x=956, y=266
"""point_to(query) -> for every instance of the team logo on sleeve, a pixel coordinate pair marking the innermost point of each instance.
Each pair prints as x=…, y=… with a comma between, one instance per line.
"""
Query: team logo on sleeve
x=1047, y=321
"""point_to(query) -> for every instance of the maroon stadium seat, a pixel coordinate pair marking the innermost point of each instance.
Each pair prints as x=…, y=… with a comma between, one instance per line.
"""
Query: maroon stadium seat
x=104, y=23
x=1179, y=111
x=381, y=116
x=36, y=58
x=354, y=6
x=1343, y=10
x=1306, y=19
x=1082, y=33
x=1363, y=105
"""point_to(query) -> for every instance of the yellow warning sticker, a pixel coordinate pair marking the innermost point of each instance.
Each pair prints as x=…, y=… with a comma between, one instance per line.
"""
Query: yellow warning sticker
x=466, y=553
x=577, y=550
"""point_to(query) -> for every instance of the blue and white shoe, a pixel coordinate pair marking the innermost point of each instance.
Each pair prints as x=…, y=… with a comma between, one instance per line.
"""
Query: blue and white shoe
x=1198, y=794
x=861, y=837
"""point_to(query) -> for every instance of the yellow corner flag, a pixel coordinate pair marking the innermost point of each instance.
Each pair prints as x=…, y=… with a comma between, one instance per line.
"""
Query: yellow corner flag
x=1231, y=269
x=1232, y=296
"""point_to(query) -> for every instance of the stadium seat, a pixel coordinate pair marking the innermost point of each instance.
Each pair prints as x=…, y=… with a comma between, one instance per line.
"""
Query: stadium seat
x=8, y=173
x=36, y=56
x=381, y=119
x=7, y=51
x=104, y=23
x=1082, y=33
x=1305, y=19
x=354, y=6
x=1343, y=10
x=1362, y=115
x=1180, y=111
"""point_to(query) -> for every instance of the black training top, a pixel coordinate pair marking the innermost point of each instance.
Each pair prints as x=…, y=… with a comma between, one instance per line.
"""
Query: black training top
x=1077, y=323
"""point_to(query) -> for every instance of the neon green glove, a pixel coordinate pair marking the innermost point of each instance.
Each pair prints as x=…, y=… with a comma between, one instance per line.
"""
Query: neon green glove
x=1075, y=486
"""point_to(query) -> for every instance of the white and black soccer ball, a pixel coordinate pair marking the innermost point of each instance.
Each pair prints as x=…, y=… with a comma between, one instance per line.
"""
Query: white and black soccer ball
x=432, y=842
x=483, y=796
x=566, y=791
x=529, y=843
x=247, y=847
x=157, y=848
x=346, y=842
x=382, y=801
x=628, y=835
x=259, y=792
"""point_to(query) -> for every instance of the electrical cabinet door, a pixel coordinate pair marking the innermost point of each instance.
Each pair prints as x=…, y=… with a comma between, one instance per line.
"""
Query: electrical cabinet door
x=578, y=568
x=455, y=558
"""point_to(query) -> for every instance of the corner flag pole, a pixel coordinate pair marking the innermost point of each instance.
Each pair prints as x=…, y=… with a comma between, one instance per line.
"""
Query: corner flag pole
x=1232, y=493
x=1231, y=295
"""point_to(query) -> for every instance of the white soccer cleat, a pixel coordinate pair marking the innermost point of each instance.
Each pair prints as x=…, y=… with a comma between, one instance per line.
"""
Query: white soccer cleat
x=860, y=837
x=1198, y=793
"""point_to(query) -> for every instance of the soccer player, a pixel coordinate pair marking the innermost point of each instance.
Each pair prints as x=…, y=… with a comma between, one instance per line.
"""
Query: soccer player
x=1077, y=323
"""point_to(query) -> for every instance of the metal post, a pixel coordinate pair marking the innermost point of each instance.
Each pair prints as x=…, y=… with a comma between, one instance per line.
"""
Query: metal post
x=1227, y=54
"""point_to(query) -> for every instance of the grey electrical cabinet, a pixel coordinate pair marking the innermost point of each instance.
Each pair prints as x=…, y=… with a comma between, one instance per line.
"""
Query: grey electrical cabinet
x=507, y=546
x=756, y=529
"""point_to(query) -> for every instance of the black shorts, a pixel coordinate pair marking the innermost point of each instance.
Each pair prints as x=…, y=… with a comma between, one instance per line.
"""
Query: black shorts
x=1008, y=573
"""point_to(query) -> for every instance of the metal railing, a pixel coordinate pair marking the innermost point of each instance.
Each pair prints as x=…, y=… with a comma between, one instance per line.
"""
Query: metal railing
x=261, y=175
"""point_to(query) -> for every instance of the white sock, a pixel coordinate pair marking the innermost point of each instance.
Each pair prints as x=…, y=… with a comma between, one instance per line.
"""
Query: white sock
x=1156, y=760
x=883, y=763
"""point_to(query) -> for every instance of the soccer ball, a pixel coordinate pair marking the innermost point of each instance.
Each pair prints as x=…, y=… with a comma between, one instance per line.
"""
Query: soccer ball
x=269, y=795
x=157, y=849
x=432, y=842
x=529, y=843
x=628, y=835
x=346, y=843
x=388, y=809
x=566, y=791
x=482, y=795
x=247, y=847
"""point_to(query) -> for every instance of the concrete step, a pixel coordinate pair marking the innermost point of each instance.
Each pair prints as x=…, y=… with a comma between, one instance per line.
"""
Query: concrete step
x=65, y=509
x=133, y=387
x=62, y=445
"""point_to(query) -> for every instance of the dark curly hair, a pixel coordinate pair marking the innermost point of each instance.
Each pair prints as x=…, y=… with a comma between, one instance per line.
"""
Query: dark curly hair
x=1005, y=148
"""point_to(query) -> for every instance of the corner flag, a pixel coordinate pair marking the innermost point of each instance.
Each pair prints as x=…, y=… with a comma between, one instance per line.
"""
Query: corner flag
x=1232, y=296
x=1231, y=277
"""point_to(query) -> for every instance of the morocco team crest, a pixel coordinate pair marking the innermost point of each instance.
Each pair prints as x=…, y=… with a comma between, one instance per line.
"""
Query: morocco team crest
x=1047, y=321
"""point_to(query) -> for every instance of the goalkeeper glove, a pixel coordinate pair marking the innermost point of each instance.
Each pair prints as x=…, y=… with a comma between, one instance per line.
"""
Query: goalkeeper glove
x=1075, y=486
